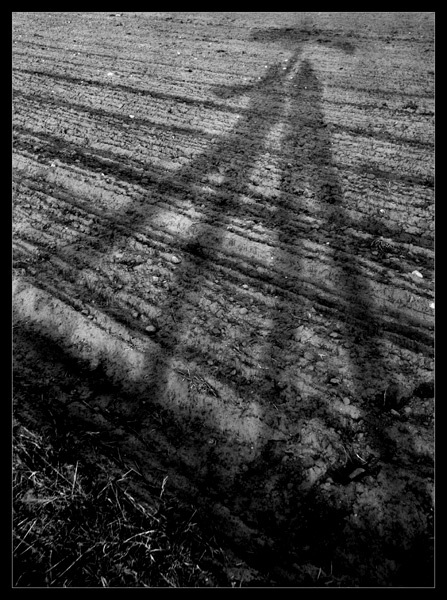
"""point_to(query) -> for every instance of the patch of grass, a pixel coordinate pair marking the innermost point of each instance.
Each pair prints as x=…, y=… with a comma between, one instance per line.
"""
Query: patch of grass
x=97, y=288
x=75, y=527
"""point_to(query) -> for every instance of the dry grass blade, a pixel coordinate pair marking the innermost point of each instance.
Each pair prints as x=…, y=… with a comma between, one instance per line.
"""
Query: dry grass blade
x=60, y=575
x=79, y=529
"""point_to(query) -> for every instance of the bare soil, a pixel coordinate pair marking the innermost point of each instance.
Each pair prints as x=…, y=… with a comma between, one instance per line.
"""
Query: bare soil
x=223, y=234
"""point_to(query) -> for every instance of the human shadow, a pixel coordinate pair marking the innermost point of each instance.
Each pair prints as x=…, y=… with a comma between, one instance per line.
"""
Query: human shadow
x=306, y=143
x=356, y=322
x=309, y=167
x=234, y=158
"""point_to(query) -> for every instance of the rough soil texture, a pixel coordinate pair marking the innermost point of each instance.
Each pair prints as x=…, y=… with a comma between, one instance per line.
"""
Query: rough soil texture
x=223, y=234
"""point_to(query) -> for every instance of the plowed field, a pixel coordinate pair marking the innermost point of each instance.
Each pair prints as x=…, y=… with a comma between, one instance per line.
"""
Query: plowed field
x=223, y=257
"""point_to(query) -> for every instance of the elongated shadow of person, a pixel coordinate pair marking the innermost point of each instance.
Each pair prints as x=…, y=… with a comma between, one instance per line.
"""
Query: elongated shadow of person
x=233, y=159
x=308, y=165
x=309, y=168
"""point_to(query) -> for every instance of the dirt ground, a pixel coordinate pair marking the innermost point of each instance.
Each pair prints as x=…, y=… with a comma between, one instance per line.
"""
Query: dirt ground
x=223, y=272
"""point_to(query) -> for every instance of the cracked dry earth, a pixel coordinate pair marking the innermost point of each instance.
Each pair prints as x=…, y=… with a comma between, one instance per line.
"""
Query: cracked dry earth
x=223, y=271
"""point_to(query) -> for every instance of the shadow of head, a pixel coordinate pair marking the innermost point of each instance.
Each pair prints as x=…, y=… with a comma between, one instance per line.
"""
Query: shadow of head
x=293, y=38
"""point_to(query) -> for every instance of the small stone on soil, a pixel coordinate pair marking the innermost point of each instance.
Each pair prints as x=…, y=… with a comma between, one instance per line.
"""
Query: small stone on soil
x=175, y=259
x=151, y=329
